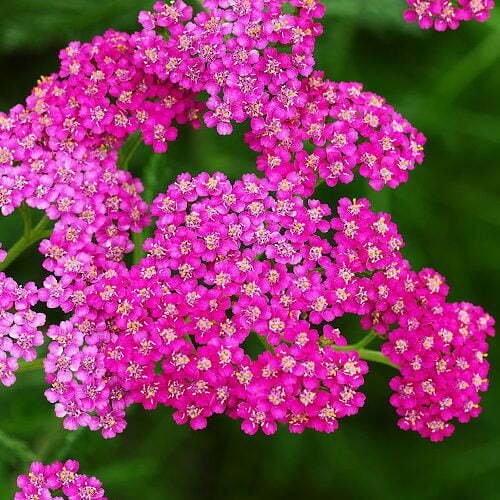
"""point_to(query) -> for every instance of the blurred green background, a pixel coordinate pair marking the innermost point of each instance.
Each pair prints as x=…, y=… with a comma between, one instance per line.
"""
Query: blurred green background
x=449, y=213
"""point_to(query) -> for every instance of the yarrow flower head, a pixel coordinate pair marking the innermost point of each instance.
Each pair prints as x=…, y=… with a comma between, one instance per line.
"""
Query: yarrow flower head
x=43, y=481
x=229, y=263
x=447, y=14
x=441, y=352
x=20, y=326
x=226, y=261
x=256, y=64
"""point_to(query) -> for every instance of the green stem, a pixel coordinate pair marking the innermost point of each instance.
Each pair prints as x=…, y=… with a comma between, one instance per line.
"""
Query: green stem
x=368, y=339
x=27, y=239
x=30, y=236
x=376, y=356
x=359, y=347
x=26, y=215
x=18, y=448
x=138, y=239
x=134, y=144
x=42, y=225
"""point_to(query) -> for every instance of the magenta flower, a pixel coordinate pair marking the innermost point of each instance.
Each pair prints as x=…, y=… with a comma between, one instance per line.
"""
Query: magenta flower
x=59, y=478
x=227, y=260
x=447, y=14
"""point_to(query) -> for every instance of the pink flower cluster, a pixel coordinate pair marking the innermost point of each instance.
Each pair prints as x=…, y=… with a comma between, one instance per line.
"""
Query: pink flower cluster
x=120, y=84
x=94, y=204
x=447, y=14
x=255, y=62
x=43, y=481
x=338, y=130
x=225, y=261
x=440, y=350
x=59, y=152
x=19, y=325
x=439, y=347
x=229, y=262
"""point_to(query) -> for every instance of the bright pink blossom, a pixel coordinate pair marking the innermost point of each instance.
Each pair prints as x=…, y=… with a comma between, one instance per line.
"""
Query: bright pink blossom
x=61, y=479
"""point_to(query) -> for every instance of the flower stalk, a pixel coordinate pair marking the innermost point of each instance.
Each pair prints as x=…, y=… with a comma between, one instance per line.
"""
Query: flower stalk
x=360, y=348
x=31, y=236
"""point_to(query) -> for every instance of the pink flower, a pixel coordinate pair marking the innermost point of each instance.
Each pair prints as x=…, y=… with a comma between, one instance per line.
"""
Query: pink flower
x=444, y=14
x=226, y=260
x=441, y=355
x=59, y=478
